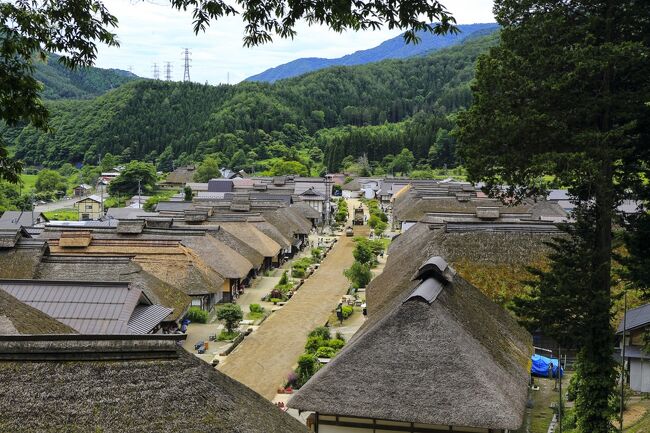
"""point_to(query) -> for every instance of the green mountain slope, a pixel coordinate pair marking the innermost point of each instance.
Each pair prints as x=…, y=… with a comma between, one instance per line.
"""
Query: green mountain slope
x=62, y=83
x=141, y=119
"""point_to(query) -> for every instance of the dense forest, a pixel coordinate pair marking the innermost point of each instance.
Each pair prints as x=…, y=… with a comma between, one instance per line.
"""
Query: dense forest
x=62, y=83
x=319, y=118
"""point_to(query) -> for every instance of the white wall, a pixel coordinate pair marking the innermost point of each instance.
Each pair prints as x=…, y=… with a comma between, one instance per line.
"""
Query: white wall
x=640, y=375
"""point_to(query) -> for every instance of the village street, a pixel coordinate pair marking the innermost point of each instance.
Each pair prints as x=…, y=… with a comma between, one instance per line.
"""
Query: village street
x=264, y=359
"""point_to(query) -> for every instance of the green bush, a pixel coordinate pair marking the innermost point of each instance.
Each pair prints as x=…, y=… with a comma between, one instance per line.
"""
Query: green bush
x=336, y=343
x=196, y=314
x=325, y=352
x=321, y=331
x=347, y=311
x=284, y=279
x=307, y=366
x=275, y=300
x=256, y=308
x=227, y=336
x=316, y=254
x=314, y=343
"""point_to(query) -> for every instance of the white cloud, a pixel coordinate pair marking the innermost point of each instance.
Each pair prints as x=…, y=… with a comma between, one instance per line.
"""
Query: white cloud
x=154, y=32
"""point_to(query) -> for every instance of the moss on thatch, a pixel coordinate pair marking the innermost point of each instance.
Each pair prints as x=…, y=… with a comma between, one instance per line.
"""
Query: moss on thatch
x=29, y=320
x=165, y=396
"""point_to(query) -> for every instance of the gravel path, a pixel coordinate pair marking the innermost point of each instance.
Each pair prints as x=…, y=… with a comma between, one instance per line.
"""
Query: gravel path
x=264, y=358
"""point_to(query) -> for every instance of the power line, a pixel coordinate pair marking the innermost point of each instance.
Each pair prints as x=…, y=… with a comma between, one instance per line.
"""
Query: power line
x=156, y=71
x=168, y=71
x=186, y=57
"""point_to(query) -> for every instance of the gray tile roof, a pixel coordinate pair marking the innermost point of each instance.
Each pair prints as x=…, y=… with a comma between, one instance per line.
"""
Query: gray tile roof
x=87, y=307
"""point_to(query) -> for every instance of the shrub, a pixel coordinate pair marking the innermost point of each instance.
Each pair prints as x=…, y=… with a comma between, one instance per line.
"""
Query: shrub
x=314, y=343
x=227, y=336
x=321, y=331
x=336, y=343
x=339, y=336
x=196, y=314
x=298, y=272
x=347, y=311
x=325, y=352
x=307, y=366
x=256, y=308
x=284, y=279
x=316, y=254
x=275, y=300
x=276, y=293
x=231, y=314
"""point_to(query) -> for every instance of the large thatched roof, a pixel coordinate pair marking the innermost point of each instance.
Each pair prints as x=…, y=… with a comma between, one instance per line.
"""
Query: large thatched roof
x=169, y=391
x=306, y=211
x=289, y=220
x=223, y=259
x=253, y=237
x=19, y=318
x=438, y=353
x=164, y=258
x=495, y=262
x=21, y=260
x=118, y=268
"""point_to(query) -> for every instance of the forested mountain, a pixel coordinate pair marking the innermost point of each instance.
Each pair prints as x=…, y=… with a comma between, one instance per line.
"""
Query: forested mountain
x=62, y=83
x=394, y=48
x=328, y=115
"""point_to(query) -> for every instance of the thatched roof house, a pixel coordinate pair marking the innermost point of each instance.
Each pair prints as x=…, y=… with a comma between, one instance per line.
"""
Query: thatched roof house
x=164, y=258
x=21, y=259
x=494, y=261
x=439, y=354
x=115, y=384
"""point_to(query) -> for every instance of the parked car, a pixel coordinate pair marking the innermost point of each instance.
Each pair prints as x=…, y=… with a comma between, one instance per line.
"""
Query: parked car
x=349, y=232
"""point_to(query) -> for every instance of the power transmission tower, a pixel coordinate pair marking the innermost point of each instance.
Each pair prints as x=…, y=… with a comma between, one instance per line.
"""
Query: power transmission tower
x=130, y=69
x=168, y=71
x=156, y=71
x=186, y=57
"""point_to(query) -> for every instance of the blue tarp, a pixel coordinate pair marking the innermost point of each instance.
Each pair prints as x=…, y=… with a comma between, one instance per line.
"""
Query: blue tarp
x=541, y=364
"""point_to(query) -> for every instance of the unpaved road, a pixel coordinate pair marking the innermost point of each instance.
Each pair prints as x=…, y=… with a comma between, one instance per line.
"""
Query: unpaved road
x=263, y=360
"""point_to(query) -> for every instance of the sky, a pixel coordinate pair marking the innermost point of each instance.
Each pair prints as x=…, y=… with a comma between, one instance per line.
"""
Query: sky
x=150, y=31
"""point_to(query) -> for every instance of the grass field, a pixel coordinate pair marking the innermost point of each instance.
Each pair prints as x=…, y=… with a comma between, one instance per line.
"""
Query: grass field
x=28, y=181
x=62, y=215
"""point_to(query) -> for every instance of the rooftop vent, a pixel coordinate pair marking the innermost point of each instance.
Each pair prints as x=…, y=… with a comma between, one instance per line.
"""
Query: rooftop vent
x=436, y=267
x=487, y=212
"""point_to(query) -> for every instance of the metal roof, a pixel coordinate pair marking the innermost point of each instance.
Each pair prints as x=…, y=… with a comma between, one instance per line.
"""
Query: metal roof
x=87, y=307
x=635, y=318
x=147, y=317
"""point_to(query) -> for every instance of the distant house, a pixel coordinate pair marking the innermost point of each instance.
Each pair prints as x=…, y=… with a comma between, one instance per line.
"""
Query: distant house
x=82, y=190
x=315, y=200
x=181, y=176
x=90, y=208
x=637, y=360
x=439, y=356
x=90, y=307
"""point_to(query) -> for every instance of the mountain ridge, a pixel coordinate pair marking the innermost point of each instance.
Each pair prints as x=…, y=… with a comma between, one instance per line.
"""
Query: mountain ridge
x=394, y=48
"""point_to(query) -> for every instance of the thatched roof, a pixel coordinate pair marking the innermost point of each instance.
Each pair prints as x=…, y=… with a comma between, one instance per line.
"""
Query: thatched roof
x=20, y=261
x=164, y=258
x=169, y=391
x=306, y=211
x=181, y=175
x=251, y=237
x=438, y=353
x=19, y=318
x=352, y=185
x=495, y=262
x=271, y=231
x=107, y=268
x=130, y=226
x=224, y=260
x=289, y=219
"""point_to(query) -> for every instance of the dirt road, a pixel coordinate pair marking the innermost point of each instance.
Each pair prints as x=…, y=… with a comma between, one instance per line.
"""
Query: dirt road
x=264, y=359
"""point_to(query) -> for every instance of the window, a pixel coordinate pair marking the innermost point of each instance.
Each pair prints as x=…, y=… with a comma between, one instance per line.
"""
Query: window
x=85, y=217
x=89, y=207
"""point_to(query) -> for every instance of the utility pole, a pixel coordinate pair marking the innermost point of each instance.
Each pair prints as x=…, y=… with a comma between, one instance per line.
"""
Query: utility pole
x=186, y=68
x=623, y=356
x=139, y=194
x=156, y=71
x=168, y=71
